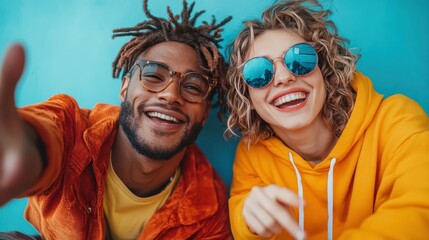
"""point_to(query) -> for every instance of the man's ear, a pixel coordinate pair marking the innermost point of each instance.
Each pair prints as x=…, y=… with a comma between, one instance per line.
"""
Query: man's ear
x=124, y=88
x=206, y=113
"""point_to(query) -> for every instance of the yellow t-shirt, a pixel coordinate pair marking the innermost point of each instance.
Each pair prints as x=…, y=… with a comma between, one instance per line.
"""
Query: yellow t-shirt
x=126, y=214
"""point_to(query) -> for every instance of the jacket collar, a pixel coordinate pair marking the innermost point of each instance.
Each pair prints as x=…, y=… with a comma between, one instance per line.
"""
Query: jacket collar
x=103, y=121
x=193, y=200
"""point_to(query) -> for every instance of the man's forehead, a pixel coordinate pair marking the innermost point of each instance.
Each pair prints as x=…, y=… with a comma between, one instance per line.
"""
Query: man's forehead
x=173, y=54
x=169, y=48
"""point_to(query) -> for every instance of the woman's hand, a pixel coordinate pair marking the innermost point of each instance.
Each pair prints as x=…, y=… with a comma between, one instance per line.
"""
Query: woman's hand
x=267, y=211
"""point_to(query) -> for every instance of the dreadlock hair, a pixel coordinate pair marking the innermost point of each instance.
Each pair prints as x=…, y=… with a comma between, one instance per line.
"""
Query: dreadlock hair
x=204, y=39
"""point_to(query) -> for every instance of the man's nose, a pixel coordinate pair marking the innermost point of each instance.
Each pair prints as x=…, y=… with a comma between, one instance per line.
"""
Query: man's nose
x=171, y=94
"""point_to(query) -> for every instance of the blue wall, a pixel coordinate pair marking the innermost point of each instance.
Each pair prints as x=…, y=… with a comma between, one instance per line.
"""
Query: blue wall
x=70, y=50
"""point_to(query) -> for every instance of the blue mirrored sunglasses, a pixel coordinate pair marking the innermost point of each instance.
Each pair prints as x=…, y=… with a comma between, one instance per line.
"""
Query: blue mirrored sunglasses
x=300, y=59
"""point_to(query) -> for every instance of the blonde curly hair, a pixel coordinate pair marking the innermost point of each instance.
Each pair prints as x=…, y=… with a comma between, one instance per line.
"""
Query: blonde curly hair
x=337, y=64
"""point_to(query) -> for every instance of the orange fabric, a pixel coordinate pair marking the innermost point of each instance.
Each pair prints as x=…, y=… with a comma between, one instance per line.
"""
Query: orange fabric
x=67, y=201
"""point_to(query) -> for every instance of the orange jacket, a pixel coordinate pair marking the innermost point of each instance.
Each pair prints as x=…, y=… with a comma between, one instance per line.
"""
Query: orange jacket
x=67, y=201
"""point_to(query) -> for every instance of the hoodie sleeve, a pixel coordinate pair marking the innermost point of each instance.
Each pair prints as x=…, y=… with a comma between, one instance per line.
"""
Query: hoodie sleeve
x=244, y=179
x=401, y=207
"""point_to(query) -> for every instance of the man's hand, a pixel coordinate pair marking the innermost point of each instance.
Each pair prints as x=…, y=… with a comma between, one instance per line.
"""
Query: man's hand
x=20, y=161
x=266, y=211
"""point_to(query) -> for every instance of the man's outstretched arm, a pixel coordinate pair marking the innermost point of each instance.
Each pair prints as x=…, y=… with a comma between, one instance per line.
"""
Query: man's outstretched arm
x=21, y=162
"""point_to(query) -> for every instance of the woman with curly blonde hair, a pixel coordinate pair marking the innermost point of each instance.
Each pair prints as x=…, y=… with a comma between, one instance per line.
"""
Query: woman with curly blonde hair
x=304, y=112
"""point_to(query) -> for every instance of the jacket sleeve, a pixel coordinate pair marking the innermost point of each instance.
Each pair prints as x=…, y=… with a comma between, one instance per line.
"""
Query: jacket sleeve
x=53, y=120
x=401, y=208
x=244, y=179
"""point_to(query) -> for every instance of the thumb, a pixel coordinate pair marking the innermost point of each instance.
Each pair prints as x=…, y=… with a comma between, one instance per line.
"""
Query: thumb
x=11, y=71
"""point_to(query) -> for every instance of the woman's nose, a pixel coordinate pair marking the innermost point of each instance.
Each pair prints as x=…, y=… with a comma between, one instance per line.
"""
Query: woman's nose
x=282, y=74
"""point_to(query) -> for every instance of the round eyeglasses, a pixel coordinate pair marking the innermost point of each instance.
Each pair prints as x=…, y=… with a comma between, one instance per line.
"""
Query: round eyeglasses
x=157, y=76
x=300, y=59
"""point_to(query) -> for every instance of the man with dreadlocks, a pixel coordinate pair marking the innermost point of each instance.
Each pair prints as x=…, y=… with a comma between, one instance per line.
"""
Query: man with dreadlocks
x=129, y=172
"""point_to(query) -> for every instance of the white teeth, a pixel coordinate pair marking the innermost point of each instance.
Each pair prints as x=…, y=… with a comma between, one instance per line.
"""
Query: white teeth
x=289, y=98
x=163, y=116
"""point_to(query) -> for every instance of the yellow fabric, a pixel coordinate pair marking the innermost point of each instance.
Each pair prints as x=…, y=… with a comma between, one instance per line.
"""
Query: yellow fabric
x=380, y=186
x=126, y=213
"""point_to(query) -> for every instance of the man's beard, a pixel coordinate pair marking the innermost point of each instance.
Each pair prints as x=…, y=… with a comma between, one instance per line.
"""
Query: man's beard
x=130, y=125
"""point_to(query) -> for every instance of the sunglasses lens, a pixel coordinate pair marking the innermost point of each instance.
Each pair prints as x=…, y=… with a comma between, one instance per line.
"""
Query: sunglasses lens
x=258, y=72
x=301, y=59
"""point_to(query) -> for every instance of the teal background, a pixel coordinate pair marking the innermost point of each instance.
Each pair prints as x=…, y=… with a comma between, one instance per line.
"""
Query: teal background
x=70, y=50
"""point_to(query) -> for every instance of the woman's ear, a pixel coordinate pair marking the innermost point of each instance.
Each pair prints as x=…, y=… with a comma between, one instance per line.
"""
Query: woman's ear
x=251, y=105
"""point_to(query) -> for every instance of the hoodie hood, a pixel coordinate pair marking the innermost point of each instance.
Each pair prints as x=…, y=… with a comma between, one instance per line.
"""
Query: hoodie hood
x=366, y=106
x=373, y=177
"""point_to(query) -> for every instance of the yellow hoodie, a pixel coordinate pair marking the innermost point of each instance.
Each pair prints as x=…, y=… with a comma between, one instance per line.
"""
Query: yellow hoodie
x=374, y=184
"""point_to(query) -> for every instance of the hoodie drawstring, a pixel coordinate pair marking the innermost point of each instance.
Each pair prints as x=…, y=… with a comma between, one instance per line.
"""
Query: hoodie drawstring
x=330, y=193
x=300, y=194
x=331, y=197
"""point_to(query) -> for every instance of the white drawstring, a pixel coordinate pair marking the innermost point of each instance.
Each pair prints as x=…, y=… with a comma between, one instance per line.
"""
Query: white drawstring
x=331, y=197
x=300, y=195
x=330, y=189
